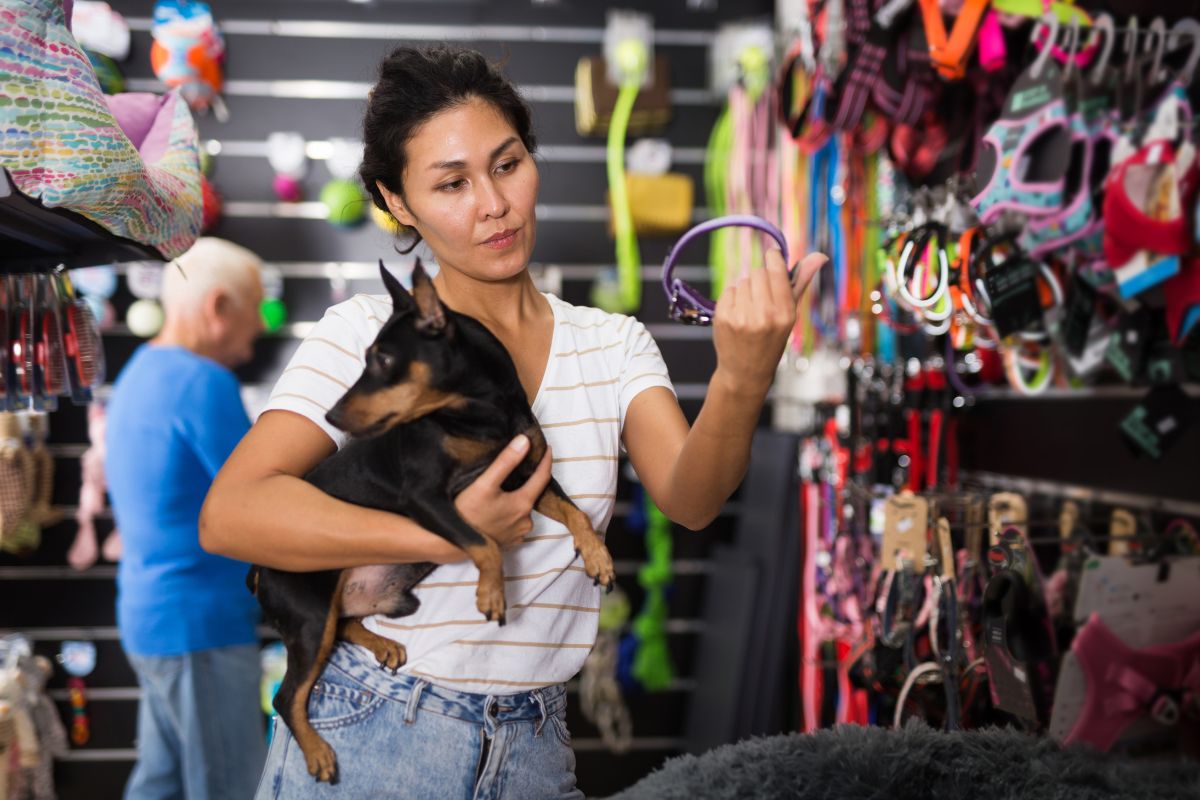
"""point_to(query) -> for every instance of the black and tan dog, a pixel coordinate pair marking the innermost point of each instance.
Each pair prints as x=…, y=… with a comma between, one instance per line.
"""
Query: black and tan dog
x=439, y=398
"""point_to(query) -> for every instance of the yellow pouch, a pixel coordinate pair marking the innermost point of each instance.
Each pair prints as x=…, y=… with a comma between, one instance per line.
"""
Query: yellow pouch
x=660, y=204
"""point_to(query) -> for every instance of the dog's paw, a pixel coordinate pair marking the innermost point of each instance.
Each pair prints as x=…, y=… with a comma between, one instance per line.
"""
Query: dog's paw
x=598, y=565
x=321, y=761
x=490, y=601
x=391, y=655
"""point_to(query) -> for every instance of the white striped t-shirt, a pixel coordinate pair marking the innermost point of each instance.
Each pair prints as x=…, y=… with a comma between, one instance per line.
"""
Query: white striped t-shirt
x=598, y=363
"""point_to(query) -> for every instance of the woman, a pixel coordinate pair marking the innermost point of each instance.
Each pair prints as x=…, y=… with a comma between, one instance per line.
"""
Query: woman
x=479, y=709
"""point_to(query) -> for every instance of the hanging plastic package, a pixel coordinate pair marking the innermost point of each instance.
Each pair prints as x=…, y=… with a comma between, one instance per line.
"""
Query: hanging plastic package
x=188, y=54
x=660, y=201
x=344, y=199
x=145, y=316
x=273, y=310
x=628, y=44
x=598, y=81
x=100, y=29
x=287, y=154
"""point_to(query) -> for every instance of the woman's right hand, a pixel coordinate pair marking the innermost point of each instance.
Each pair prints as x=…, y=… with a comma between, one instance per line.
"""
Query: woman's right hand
x=504, y=516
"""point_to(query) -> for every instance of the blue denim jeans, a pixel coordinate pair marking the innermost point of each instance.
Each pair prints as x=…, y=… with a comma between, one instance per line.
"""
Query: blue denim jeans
x=397, y=736
x=200, y=731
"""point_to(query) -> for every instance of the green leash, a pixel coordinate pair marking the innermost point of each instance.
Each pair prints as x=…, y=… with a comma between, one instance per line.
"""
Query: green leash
x=633, y=62
x=652, y=660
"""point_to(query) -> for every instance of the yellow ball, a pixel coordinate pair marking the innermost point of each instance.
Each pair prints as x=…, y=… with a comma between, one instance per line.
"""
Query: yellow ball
x=384, y=220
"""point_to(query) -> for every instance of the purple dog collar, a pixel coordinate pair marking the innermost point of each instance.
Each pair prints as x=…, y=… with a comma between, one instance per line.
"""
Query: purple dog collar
x=686, y=304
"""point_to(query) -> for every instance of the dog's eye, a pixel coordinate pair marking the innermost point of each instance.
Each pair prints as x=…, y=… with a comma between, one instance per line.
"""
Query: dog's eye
x=383, y=361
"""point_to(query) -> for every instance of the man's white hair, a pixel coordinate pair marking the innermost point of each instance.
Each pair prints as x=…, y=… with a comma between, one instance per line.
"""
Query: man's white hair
x=211, y=263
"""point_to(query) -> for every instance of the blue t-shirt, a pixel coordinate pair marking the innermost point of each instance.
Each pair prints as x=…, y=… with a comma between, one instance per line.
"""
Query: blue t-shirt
x=173, y=419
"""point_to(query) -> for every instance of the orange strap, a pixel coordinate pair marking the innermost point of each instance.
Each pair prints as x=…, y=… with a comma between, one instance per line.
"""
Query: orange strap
x=966, y=245
x=949, y=55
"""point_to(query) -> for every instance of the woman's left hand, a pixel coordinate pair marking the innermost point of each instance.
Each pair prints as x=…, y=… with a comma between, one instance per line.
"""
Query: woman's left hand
x=754, y=318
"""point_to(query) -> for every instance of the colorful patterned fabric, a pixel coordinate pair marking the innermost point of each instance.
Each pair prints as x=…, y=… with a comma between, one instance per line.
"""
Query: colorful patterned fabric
x=1005, y=164
x=64, y=145
x=1077, y=217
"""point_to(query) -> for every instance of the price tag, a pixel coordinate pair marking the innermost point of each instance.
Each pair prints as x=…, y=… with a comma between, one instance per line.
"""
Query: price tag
x=1006, y=510
x=1121, y=528
x=905, y=527
x=947, y=548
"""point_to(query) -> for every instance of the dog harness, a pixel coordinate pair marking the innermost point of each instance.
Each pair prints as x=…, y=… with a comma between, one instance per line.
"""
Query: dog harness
x=1124, y=684
x=950, y=53
x=1014, y=171
x=1077, y=218
x=907, y=86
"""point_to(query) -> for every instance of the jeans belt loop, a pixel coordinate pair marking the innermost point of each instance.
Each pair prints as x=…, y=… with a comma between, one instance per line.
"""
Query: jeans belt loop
x=414, y=700
x=540, y=699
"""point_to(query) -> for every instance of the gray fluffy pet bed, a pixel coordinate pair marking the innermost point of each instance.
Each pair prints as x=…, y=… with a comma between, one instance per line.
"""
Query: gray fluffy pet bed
x=856, y=763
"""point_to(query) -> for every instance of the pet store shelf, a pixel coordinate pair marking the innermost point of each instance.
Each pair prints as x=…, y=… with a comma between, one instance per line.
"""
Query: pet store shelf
x=391, y=32
x=358, y=90
x=38, y=239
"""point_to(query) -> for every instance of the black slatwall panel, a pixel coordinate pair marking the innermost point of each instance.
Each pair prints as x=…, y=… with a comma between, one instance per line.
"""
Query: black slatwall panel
x=41, y=596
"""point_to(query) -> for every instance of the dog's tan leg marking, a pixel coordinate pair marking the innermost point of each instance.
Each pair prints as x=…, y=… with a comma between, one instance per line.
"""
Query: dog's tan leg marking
x=318, y=755
x=596, y=560
x=388, y=653
x=489, y=596
x=467, y=451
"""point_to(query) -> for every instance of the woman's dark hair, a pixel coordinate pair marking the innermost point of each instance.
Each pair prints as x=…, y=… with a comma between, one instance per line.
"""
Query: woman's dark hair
x=415, y=84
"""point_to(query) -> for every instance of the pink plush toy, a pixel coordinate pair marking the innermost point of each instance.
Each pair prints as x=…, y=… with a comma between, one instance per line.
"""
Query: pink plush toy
x=92, y=498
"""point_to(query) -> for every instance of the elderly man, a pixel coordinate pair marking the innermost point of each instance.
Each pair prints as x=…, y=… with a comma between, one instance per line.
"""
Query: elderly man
x=186, y=620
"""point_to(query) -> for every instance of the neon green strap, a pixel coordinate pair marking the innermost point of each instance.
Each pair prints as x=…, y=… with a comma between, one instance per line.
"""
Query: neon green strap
x=1035, y=9
x=652, y=660
x=629, y=260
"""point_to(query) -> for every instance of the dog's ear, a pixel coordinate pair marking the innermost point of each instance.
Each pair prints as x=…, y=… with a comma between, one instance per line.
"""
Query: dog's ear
x=401, y=299
x=431, y=316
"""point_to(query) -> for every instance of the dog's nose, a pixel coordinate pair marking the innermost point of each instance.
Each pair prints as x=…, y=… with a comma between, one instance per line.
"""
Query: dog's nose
x=336, y=417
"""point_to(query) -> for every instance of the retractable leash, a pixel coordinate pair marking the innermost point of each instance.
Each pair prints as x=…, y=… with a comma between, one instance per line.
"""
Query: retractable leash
x=689, y=306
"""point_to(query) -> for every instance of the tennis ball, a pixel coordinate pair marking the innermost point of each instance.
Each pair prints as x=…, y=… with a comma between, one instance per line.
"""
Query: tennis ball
x=274, y=314
x=346, y=204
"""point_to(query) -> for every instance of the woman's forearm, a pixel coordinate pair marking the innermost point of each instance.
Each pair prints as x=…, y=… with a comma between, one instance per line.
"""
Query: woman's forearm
x=284, y=522
x=716, y=452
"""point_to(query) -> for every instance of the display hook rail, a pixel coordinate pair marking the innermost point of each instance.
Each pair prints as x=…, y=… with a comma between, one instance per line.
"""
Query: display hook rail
x=1037, y=486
